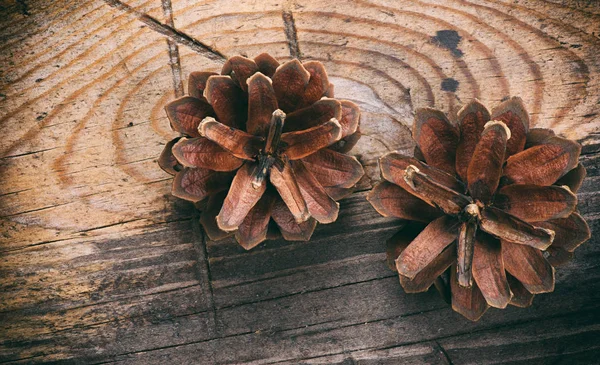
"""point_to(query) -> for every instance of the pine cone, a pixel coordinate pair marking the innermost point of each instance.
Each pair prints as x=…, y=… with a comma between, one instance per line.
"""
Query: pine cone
x=263, y=148
x=492, y=202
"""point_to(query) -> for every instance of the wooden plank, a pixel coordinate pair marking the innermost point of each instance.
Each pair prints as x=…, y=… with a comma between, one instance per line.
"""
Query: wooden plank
x=120, y=283
x=324, y=339
x=371, y=314
x=568, y=339
x=419, y=354
x=119, y=267
x=98, y=332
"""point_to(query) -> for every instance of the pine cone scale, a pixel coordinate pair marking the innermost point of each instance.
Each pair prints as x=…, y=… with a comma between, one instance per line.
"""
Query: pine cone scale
x=485, y=168
x=350, y=118
x=503, y=225
x=253, y=230
x=529, y=266
x=203, y=153
x=197, y=84
x=207, y=218
x=465, y=252
x=489, y=272
x=573, y=179
x=186, y=113
x=239, y=70
x=242, y=196
x=289, y=82
x=334, y=169
x=473, y=116
x=297, y=145
x=266, y=64
x=437, y=139
x=290, y=229
x=391, y=200
x=534, y=203
x=317, y=84
x=320, y=205
x=195, y=184
x=287, y=185
x=318, y=113
x=513, y=114
x=569, y=232
x=426, y=277
x=167, y=161
x=438, y=195
x=227, y=100
x=239, y=143
x=261, y=104
x=543, y=164
x=427, y=246
x=393, y=165
x=520, y=296
x=469, y=302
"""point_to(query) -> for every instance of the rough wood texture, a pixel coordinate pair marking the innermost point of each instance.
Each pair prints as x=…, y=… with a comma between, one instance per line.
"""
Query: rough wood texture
x=100, y=264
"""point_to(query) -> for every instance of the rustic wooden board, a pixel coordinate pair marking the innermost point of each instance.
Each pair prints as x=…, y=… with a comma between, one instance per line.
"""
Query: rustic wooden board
x=99, y=264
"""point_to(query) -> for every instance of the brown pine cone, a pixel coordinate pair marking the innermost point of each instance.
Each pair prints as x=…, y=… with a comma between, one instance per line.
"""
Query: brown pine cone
x=488, y=200
x=264, y=145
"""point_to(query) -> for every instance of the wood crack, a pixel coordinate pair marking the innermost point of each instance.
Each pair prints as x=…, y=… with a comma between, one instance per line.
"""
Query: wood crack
x=291, y=34
x=174, y=34
x=316, y=290
x=204, y=276
x=174, y=60
x=28, y=153
x=443, y=353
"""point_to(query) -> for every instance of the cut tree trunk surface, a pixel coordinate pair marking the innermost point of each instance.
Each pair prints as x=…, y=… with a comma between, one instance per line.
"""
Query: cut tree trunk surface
x=100, y=264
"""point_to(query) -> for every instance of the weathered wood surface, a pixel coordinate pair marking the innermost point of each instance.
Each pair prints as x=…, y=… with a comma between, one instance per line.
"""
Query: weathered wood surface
x=99, y=264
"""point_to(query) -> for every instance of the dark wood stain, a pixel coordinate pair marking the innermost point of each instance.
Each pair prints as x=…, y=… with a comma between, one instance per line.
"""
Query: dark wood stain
x=449, y=84
x=448, y=39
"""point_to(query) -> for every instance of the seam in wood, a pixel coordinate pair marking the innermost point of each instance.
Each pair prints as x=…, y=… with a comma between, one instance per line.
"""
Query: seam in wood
x=174, y=34
x=109, y=225
x=175, y=64
x=291, y=34
x=74, y=236
x=443, y=353
x=202, y=258
x=295, y=271
x=174, y=60
x=27, y=153
x=303, y=292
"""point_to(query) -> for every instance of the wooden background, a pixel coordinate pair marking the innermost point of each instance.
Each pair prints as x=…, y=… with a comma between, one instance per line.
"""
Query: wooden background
x=99, y=264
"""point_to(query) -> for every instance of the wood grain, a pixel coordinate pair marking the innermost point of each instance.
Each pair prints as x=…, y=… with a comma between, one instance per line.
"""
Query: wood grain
x=100, y=264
